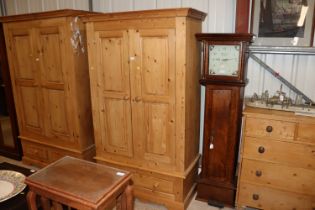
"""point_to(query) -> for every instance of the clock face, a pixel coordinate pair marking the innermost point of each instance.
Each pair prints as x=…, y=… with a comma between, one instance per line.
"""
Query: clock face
x=224, y=60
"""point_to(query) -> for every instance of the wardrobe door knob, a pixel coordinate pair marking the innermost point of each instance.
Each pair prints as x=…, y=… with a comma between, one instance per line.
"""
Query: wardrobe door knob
x=269, y=128
x=261, y=149
x=137, y=99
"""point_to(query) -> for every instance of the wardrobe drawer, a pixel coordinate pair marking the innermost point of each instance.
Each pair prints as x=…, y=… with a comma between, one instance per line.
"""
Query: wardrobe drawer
x=257, y=127
x=266, y=198
x=279, y=176
x=291, y=154
x=56, y=155
x=153, y=183
x=34, y=151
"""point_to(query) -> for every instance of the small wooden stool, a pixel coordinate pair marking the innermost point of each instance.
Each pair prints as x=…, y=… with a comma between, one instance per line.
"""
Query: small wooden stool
x=81, y=185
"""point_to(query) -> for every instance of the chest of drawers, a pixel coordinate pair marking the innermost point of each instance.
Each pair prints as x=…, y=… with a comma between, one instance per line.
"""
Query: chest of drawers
x=277, y=167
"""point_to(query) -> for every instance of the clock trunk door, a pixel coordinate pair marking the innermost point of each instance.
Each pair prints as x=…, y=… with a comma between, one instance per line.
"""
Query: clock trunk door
x=220, y=133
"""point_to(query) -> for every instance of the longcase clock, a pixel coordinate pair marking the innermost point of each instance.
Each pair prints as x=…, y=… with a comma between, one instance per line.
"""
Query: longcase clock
x=224, y=77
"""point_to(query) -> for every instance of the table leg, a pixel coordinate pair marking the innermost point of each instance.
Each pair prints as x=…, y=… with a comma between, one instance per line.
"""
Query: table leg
x=121, y=202
x=45, y=203
x=57, y=206
x=31, y=200
x=129, y=197
x=125, y=200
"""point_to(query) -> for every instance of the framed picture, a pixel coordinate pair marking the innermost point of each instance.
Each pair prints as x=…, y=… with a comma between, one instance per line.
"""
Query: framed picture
x=283, y=22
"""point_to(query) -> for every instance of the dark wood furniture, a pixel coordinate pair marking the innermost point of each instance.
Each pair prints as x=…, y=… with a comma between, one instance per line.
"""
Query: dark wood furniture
x=79, y=184
x=11, y=146
x=222, y=121
x=242, y=16
x=17, y=202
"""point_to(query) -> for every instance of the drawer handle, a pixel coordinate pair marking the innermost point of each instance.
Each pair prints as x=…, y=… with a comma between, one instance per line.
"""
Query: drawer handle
x=258, y=173
x=269, y=128
x=155, y=186
x=261, y=149
x=255, y=197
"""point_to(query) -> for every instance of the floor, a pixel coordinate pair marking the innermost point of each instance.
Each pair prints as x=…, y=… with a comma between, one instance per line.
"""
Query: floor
x=139, y=205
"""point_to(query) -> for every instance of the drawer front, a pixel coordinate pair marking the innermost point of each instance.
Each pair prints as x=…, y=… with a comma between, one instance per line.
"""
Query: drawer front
x=34, y=151
x=306, y=132
x=56, y=155
x=265, y=198
x=153, y=183
x=256, y=127
x=292, y=154
x=279, y=176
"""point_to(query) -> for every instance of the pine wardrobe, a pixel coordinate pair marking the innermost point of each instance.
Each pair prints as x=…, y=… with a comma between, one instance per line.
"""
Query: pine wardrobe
x=144, y=71
x=50, y=81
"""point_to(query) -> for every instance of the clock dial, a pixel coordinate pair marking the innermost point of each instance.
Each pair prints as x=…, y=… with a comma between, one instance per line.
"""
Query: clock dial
x=224, y=60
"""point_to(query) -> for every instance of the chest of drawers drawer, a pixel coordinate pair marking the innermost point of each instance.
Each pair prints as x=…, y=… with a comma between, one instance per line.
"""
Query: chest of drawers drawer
x=266, y=128
x=279, y=176
x=306, y=132
x=292, y=154
x=258, y=196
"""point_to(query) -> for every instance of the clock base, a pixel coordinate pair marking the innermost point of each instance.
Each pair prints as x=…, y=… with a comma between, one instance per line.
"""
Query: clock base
x=215, y=204
x=223, y=195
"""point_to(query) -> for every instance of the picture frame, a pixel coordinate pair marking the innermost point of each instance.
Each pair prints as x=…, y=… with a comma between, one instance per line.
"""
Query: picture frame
x=283, y=22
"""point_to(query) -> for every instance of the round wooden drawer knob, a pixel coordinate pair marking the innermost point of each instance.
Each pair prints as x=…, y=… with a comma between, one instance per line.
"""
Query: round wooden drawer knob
x=269, y=128
x=258, y=173
x=156, y=185
x=255, y=197
x=261, y=149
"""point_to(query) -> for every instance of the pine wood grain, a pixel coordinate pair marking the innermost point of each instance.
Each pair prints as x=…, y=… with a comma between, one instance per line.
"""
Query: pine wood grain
x=51, y=97
x=142, y=73
x=277, y=167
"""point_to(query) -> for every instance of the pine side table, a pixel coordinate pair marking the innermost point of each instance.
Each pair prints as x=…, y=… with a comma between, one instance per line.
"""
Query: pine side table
x=81, y=185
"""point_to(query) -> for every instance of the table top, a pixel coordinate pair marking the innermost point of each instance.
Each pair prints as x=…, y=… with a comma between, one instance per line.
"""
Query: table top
x=78, y=179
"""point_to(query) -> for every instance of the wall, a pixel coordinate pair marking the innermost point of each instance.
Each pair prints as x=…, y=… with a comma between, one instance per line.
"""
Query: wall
x=298, y=69
x=220, y=12
x=28, y=6
x=221, y=17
